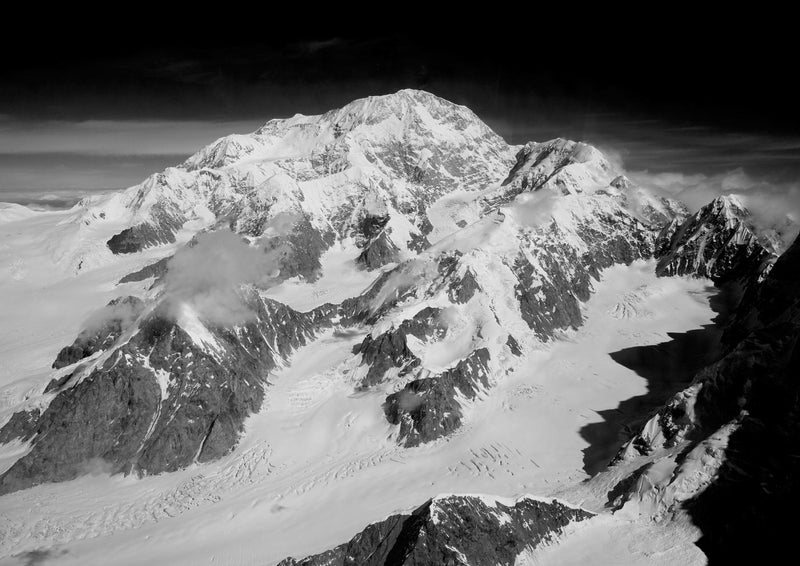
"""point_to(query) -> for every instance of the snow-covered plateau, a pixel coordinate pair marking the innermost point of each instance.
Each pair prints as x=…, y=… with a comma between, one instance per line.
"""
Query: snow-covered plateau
x=353, y=337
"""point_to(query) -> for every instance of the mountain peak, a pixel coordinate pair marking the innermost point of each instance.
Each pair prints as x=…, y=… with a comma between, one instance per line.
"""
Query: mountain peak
x=717, y=242
x=730, y=205
x=404, y=97
x=408, y=109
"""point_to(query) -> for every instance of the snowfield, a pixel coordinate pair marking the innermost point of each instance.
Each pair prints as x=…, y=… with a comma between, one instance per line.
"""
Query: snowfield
x=319, y=462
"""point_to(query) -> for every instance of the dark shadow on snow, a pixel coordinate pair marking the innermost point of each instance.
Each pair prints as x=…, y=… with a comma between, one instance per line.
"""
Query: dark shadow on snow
x=668, y=367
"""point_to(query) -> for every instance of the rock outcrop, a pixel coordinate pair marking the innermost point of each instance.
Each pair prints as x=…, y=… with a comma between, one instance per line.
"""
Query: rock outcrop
x=429, y=408
x=378, y=252
x=390, y=349
x=155, y=270
x=454, y=530
x=160, y=229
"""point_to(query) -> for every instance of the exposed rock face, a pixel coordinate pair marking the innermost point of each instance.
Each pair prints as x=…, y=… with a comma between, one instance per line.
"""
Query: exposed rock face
x=379, y=249
x=461, y=287
x=549, y=305
x=547, y=164
x=378, y=252
x=428, y=408
x=372, y=225
x=716, y=242
x=21, y=426
x=160, y=229
x=298, y=244
x=103, y=330
x=765, y=301
x=462, y=290
x=390, y=349
x=165, y=399
x=155, y=270
x=418, y=243
x=454, y=530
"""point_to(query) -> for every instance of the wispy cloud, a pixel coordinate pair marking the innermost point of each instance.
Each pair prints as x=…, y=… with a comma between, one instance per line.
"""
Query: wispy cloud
x=210, y=274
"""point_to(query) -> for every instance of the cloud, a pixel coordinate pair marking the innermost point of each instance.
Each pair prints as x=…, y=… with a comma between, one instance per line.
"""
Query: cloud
x=210, y=277
x=408, y=400
x=124, y=312
x=533, y=208
x=96, y=467
x=773, y=205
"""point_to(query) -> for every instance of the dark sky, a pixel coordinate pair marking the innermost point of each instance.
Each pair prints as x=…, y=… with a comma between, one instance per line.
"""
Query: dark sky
x=99, y=106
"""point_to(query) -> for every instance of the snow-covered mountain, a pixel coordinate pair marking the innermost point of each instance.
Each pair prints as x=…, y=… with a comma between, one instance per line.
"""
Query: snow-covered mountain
x=367, y=171
x=515, y=256
x=429, y=260
x=717, y=242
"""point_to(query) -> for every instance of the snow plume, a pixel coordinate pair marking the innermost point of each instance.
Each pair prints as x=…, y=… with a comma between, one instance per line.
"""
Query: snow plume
x=210, y=275
x=773, y=205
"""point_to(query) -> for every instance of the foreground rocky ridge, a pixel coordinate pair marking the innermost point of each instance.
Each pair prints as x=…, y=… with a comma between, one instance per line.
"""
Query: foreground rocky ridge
x=454, y=530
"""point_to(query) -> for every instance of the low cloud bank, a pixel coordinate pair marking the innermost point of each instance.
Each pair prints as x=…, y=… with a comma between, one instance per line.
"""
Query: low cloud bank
x=773, y=205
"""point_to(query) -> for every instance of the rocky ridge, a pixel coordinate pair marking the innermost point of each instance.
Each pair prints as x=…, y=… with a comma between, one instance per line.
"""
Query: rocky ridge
x=454, y=530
